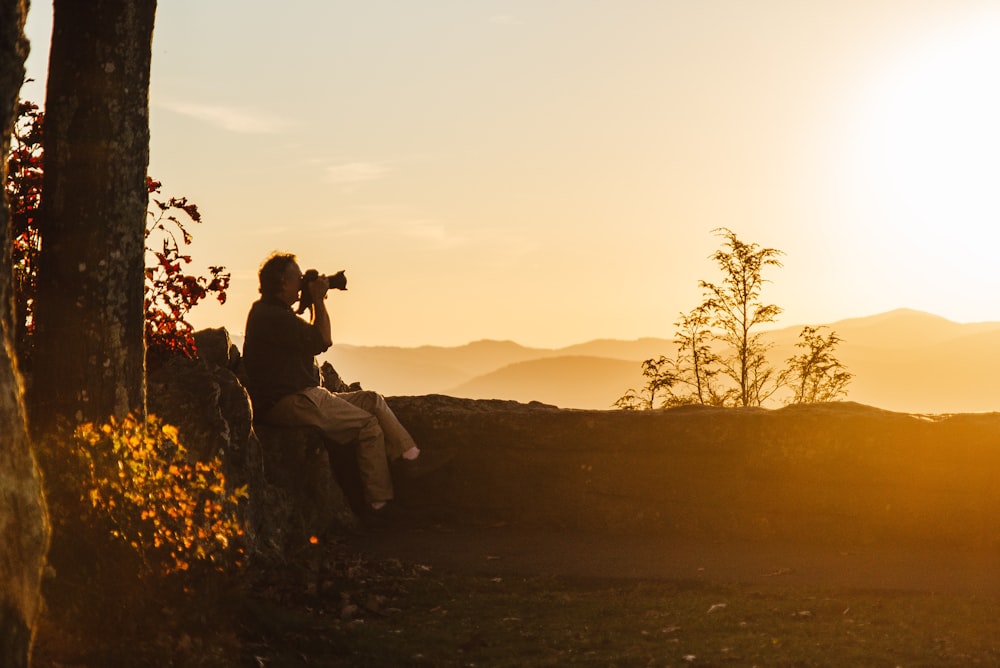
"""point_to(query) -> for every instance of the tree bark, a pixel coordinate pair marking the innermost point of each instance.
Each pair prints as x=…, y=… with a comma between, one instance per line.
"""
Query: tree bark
x=90, y=350
x=24, y=529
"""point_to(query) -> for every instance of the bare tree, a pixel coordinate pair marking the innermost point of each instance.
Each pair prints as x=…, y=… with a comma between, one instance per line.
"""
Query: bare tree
x=737, y=312
x=89, y=361
x=816, y=374
x=24, y=529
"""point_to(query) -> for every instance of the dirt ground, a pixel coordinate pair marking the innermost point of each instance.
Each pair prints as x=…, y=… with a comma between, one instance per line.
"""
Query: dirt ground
x=510, y=550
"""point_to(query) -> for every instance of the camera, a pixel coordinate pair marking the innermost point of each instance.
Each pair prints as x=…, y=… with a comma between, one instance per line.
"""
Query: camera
x=337, y=281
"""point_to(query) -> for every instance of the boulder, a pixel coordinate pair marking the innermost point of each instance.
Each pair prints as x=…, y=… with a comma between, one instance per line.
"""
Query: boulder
x=332, y=381
x=211, y=411
x=215, y=347
x=308, y=474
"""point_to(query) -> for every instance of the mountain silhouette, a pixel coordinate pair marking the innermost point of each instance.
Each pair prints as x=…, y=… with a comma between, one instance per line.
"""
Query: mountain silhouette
x=426, y=369
x=573, y=381
x=903, y=360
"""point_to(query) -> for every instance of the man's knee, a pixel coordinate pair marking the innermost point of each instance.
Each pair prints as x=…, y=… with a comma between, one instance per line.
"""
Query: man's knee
x=370, y=430
x=370, y=401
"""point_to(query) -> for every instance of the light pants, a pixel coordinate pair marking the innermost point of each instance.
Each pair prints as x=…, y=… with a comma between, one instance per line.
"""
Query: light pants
x=344, y=417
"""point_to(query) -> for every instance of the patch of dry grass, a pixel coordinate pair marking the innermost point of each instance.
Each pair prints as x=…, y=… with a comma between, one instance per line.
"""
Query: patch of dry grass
x=465, y=621
x=332, y=609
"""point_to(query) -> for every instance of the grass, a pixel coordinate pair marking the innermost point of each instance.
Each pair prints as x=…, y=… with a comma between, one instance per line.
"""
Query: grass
x=342, y=611
x=463, y=621
x=451, y=620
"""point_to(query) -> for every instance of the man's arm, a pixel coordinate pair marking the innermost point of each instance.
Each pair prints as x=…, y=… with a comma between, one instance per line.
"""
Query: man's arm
x=320, y=316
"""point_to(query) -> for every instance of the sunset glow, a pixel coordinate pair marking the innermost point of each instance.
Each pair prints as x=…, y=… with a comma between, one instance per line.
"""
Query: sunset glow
x=924, y=160
x=550, y=172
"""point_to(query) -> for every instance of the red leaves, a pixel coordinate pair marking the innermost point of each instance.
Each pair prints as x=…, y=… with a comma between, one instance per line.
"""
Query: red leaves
x=23, y=187
x=190, y=209
x=170, y=293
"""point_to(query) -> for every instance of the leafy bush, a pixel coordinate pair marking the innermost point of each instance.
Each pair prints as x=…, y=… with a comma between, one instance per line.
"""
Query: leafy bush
x=135, y=481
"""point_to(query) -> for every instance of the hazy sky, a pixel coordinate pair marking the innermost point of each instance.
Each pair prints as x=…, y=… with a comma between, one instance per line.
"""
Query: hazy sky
x=550, y=171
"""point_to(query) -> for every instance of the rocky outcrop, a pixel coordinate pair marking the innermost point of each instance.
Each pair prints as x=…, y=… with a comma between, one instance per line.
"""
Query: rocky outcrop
x=294, y=492
x=839, y=473
x=211, y=411
x=834, y=473
x=309, y=481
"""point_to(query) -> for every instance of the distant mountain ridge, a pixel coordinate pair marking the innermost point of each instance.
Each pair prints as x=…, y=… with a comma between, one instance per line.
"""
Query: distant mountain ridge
x=902, y=360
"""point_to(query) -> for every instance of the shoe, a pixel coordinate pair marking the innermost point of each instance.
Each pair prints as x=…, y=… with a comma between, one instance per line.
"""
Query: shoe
x=428, y=462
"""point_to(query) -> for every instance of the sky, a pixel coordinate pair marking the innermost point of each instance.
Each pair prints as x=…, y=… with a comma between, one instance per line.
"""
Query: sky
x=551, y=171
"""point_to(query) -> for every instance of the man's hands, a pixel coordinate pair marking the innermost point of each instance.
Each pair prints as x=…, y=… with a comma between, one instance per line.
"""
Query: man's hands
x=318, y=288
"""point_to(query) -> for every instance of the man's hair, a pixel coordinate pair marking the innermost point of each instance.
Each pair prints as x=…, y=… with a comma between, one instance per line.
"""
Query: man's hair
x=272, y=272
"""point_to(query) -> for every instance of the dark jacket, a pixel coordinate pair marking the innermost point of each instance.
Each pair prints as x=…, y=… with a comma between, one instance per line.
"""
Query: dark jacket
x=279, y=352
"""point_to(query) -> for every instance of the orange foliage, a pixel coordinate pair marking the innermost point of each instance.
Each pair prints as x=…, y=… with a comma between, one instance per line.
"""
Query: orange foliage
x=173, y=512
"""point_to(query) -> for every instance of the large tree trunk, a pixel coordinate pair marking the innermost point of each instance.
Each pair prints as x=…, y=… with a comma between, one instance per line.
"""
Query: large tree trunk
x=23, y=523
x=89, y=346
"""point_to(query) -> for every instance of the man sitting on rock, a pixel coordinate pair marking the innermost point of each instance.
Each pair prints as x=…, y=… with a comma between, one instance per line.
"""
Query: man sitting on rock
x=284, y=382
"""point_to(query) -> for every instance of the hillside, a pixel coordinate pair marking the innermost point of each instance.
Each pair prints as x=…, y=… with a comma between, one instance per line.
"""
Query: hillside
x=902, y=360
x=577, y=381
x=427, y=369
